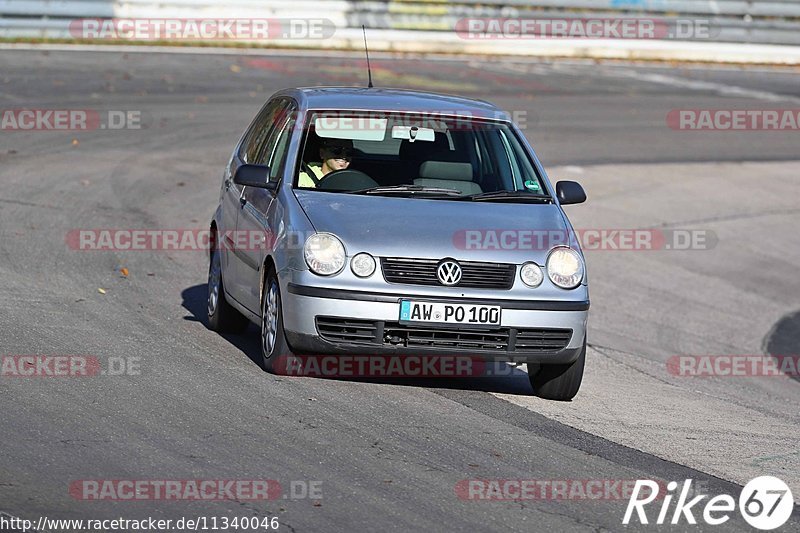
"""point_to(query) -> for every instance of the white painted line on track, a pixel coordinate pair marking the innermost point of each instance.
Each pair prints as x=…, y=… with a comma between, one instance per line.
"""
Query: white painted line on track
x=650, y=77
x=719, y=88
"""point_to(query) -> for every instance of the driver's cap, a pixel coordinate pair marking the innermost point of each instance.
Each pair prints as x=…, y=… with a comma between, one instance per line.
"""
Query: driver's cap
x=337, y=143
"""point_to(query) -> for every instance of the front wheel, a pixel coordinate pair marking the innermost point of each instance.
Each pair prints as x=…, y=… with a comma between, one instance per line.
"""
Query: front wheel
x=275, y=350
x=222, y=317
x=558, y=382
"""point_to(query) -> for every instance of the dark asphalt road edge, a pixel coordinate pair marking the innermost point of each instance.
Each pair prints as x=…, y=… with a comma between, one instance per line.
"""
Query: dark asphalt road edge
x=546, y=428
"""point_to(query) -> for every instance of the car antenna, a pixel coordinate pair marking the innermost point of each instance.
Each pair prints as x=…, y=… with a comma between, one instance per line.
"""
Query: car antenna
x=369, y=70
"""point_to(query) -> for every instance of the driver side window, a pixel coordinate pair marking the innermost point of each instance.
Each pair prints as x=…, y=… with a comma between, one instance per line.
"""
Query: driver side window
x=275, y=149
x=261, y=128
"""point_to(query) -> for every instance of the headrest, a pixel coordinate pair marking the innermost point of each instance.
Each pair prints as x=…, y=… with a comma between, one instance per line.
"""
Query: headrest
x=446, y=170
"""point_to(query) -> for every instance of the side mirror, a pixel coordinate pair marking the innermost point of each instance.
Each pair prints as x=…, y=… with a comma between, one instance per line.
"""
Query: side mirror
x=570, y=192
x=254, y=176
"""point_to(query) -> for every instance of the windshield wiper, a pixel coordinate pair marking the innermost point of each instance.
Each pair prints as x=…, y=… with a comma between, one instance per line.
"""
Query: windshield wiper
x=510, y=196
x=410, y=190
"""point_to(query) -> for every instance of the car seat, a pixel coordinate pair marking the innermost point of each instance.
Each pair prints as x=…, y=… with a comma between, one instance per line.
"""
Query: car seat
x=449, y=175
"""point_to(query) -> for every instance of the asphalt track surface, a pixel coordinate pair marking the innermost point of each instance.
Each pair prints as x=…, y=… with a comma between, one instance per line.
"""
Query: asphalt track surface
x=389, y=454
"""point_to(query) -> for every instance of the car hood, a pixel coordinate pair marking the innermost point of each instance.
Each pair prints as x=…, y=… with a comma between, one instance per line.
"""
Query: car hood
x=434, y=229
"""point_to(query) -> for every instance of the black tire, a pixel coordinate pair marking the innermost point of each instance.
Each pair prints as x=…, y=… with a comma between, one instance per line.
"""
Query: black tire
x=558, y=382
x=222, y=317
x=275, y=354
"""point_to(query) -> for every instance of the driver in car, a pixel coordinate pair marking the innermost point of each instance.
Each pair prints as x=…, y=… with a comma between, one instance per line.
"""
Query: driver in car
x=336, y=154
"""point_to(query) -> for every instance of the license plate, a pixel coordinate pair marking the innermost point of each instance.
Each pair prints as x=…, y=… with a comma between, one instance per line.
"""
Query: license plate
x=442, y=313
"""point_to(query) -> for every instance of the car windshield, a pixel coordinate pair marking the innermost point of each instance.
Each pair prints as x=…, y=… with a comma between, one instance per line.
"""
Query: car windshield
x=416, y=156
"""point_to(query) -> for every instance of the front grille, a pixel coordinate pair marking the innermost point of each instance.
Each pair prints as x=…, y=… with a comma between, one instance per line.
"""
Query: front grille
x=446, y=337
x=346, y=331
x=475, y=275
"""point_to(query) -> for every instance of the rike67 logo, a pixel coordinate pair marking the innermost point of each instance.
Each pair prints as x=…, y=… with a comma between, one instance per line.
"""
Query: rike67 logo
x=766, y=503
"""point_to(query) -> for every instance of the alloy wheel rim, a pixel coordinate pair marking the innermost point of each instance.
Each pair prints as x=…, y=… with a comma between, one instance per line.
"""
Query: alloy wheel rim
x=213, y=285
x=269, y=321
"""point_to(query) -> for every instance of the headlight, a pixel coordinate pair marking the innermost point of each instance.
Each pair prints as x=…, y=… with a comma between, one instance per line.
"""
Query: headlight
x=565, y=267
x=531, y=274
x=324, y=254
x=363, y=265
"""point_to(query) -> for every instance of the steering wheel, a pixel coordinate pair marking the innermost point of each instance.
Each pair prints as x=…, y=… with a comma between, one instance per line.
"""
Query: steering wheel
x=346, y=179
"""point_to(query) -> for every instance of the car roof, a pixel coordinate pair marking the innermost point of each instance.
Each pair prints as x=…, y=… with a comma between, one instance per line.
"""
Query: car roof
x=380, y=99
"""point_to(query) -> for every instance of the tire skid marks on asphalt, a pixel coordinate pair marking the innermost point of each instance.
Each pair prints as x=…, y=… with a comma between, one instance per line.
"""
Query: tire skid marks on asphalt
x=718, y=430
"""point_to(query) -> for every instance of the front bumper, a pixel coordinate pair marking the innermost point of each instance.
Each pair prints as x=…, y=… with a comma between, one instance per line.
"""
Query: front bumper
x=542, y=319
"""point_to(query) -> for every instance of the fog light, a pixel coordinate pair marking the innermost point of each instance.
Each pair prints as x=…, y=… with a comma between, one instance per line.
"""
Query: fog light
x=363, y=265
x=531, y=274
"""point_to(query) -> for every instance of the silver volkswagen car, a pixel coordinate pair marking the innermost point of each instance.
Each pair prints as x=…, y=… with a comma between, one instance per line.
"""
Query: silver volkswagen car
x=394, y=222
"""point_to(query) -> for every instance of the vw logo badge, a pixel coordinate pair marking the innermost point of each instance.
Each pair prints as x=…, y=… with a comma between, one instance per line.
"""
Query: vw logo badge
x=449, y=272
